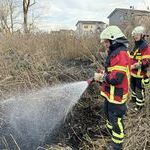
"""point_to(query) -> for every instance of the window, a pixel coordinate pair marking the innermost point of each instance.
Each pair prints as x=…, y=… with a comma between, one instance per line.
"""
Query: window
x=85, y=26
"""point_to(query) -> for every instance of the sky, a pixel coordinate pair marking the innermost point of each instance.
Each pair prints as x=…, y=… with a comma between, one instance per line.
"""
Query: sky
x=57, y=14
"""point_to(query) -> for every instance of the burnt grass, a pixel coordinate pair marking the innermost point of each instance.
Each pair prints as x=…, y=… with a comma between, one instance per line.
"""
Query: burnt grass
x=84, y=121
x=83, y=128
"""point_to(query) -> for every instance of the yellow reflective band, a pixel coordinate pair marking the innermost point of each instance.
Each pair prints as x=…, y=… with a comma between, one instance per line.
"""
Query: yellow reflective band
x=109, y=125
x=136, y=76
x=121, y=68
x=112, y=90
x=105, y=95
x=139, y=104
x=146, y=56
x=133, y=94
x=128, y=75
x=138, y=57
x=120, y=125
x=131, y=56
x=148, y=74
x=118, y=68
x=135, y=52
x=143, y=94
x=139, y=72
x=128, y=53
x=117, y=141
x=124, y=99
x=145, y=82
x=121, y=135
x=140, y=100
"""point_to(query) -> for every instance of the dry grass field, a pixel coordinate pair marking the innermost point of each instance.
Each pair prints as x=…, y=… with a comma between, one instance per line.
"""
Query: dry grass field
x=37, y=60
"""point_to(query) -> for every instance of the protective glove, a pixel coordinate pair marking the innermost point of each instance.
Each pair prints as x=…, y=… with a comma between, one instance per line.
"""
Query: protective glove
x=104, y=77
x=98, y=76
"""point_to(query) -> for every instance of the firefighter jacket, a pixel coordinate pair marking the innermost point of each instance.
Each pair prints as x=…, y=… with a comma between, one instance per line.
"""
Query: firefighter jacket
x=141, y=55
x=115, y=88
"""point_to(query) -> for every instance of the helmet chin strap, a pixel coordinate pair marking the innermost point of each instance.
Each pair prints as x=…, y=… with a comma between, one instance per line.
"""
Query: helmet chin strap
x=121, y=40
x=114, y=42
x=142, y=36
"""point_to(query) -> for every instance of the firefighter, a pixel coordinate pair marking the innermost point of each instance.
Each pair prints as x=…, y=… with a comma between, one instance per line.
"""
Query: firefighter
x=115, y=85
x=140, y=56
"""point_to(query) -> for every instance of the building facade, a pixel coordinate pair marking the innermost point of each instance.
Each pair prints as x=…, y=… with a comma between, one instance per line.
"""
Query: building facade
x=89, y=27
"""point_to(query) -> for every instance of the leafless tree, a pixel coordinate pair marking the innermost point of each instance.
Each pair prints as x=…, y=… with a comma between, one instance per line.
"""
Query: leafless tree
x=26, y=5
x=7, y=15
x=11, y=11
x=4, y=13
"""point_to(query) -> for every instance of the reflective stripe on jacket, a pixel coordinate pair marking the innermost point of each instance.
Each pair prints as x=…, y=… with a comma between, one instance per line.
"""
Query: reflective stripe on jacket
x=141, y=56
x=113, y=91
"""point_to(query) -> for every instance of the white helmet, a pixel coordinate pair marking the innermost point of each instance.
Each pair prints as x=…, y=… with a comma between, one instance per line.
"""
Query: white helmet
x=139, y=30
x=111, y=33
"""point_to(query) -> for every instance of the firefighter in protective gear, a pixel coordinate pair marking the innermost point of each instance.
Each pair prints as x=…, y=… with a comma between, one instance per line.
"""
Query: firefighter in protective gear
x=140, y=56
x=115, y=86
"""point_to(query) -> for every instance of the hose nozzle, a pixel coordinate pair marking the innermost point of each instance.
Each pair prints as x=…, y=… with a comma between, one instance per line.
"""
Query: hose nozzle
x=89, y=81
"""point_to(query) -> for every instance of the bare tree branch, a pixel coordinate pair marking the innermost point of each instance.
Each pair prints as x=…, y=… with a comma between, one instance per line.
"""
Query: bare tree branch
x=7, y=18
x=32, y=3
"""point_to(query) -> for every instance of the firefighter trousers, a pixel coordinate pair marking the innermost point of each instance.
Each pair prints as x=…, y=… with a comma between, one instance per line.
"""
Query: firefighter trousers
x=114, y=121
x=138, y=91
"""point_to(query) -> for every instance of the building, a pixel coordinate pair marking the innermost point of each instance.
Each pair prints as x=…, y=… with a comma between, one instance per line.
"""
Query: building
x=124, y=16
x=89, y=27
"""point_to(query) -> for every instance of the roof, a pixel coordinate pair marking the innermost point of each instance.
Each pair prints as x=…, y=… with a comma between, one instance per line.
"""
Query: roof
x=133, y=10
x=90, y=22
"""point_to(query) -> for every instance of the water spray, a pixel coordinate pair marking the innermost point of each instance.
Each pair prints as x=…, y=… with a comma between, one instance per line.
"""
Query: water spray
x=34, y=115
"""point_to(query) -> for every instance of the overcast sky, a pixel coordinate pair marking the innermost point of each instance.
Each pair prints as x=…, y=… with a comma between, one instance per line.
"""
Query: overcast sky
x=56, y=14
